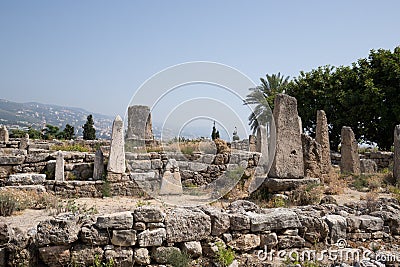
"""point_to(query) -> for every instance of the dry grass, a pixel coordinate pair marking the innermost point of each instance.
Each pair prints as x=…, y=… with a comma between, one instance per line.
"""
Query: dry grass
x=66, y=147
x=334, y=184
x=306, y=195
x=18, y=200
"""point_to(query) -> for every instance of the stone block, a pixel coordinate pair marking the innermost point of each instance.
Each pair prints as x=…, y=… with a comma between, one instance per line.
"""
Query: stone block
x=119, y=220
x=123, y=238
x=121, y=256
x=151, y=238
x=54, y=256
x=148, y=214
x=185, y=225
x=245, y=242
x=274, y=219
x=141, y=256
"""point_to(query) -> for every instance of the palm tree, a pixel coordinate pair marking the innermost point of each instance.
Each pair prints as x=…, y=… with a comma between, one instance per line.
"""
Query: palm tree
x=263, y=97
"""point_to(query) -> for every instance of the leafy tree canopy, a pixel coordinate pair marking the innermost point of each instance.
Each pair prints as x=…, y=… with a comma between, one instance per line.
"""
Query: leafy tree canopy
x=364, y=96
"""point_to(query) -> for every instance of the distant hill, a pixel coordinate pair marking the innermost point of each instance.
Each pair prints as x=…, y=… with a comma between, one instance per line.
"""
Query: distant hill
x=23, y=115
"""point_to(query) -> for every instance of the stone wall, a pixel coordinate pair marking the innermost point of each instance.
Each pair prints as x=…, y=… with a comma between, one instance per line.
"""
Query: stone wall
x=382, y=159
x=240, y=145
x=197, y=169
x=148, y=234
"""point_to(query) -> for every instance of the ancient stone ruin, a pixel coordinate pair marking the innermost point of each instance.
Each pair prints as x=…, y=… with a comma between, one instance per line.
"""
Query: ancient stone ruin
x=139, y=123
x=116, y=162
x=322, y=138
x=4, y=134
x=145, y=235
x=350, y=161
x=288, y=161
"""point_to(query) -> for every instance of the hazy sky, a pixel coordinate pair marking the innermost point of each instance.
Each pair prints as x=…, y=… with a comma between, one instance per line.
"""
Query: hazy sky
x=95, y=54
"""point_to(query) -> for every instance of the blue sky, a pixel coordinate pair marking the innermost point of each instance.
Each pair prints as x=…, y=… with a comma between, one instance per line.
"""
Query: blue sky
x=95, y=54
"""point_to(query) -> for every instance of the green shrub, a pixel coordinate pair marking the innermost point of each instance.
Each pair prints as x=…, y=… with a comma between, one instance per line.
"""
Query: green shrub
x=360, y=182
x=106, y=189
x=306, y=195
x=78, y=148
x=8, y=203
x=224, y=256
x=179, y=259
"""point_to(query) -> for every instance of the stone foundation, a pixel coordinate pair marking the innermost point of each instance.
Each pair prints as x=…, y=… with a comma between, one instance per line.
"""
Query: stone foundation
x=146, y=235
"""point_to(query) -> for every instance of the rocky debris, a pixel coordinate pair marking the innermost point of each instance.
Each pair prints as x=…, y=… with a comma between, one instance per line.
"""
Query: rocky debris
x=350, y=160
x=288, y=161
x=186, y=225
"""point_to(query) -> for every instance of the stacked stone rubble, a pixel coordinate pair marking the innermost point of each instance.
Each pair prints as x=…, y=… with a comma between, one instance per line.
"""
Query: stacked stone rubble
x=147, y=234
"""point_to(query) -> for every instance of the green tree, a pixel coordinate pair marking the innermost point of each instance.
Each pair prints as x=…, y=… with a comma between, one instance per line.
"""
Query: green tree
x=263, y=97
x=17, y=133
x=364, y=96
x=34, y=134
x=214, y=132
x=89, y=132
x=50, y=132
x=69, y=132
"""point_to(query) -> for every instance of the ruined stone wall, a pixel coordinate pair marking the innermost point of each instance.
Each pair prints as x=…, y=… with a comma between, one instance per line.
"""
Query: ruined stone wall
x=382, y=159
x=197, y=169
x=148, y=234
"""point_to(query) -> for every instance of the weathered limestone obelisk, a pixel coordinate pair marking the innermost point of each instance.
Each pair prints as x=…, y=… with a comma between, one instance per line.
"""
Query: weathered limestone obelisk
x=322, y=138
x=288, y=161
x=350, y=161
x=116, y=161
